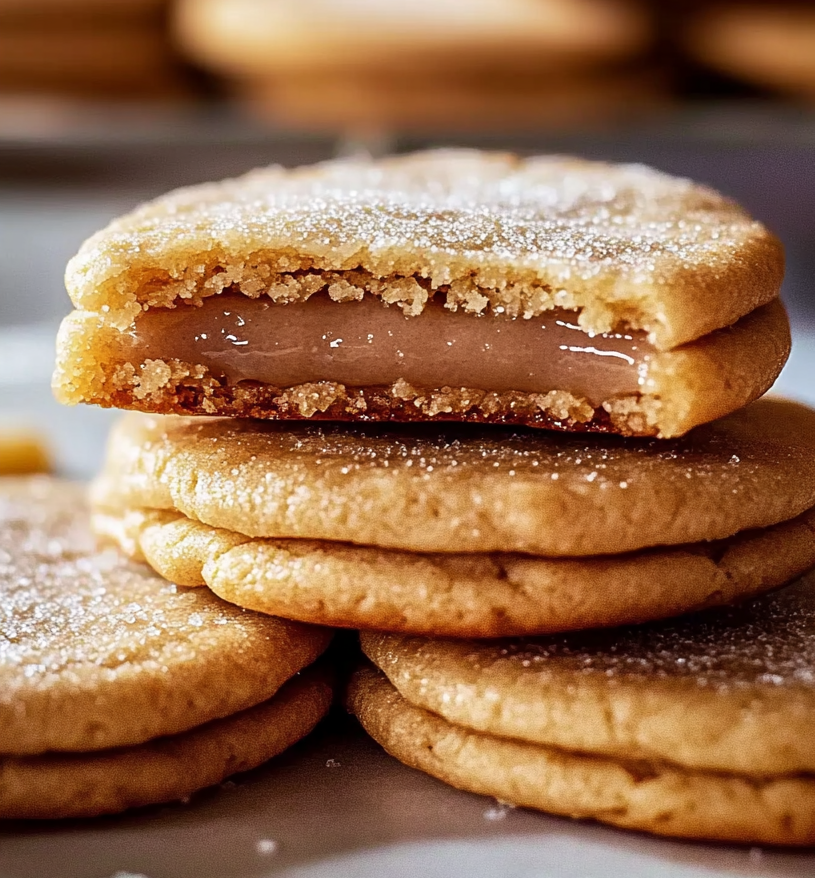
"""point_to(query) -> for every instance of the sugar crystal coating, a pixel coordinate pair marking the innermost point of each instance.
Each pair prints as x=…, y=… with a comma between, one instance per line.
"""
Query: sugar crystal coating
x=618, y=243
x=96, y=651
x=768, y=642
x=726, y=690
x=453, y=489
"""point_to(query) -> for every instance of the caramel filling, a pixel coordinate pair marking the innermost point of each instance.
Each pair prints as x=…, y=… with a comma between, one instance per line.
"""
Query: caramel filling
x=367, y=343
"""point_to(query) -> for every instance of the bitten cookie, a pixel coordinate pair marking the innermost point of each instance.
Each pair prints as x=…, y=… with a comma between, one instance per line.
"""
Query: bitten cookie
x=457, y=285
x=698, y=727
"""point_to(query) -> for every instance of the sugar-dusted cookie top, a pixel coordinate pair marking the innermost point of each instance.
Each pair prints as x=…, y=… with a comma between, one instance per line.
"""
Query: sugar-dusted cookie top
x=430, y=488
x=485, y=232
x=729, y=690
x=98, y=652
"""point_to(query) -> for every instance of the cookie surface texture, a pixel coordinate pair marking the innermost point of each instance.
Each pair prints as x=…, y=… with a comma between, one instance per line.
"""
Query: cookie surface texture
x=431, y=489
x=654, y=299
x=730, y=690
x=97, y=652
x=165, y=770
x=438, y=595
x=654, y=797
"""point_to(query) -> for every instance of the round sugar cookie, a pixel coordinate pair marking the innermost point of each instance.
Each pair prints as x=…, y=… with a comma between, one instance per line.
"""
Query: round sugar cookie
x=168, y=769
x=496, y=595
x=655, y=797
x=255, y=38
x=769, y=44
x=730, y=690
x=98, y=652
x=464, y=489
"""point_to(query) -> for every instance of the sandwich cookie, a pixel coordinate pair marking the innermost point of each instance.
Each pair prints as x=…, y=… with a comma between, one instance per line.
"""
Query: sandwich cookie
x=696, y=728
x=771, y=45
x=118, y=689
x=458, y=285
x=443, y=534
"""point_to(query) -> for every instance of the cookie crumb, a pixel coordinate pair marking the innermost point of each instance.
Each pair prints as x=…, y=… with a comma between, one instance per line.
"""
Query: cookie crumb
x=498, y=811
x=266, y=847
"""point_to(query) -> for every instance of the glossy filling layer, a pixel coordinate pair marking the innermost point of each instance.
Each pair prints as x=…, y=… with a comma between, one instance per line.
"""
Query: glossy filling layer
x=367, y=343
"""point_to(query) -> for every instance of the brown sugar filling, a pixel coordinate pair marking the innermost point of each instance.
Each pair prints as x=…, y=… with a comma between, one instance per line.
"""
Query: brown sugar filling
x=367, y=343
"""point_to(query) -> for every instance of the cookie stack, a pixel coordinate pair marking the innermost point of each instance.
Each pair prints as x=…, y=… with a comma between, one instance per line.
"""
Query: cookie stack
x=116, y=688
x=88, y=49
x=384, y=338
x=405, y=65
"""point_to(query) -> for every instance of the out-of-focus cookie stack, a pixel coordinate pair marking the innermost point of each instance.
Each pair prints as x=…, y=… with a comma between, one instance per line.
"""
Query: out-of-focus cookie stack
x=430, y=65
x=770, y=45
x=443, y=305
x=88, y=49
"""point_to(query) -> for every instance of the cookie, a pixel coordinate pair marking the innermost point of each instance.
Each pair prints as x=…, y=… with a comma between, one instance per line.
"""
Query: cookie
x=48, y=13
x=434, y=102
x=92, y=59
x=771, y=45
x=253, y=38
x=97, y=652
x=697, y=727
x=22, y=452
x=453, y=285
x=165, y=770
x=654, y=797
x=730, y=690
x=459, y=595
x=461, y=489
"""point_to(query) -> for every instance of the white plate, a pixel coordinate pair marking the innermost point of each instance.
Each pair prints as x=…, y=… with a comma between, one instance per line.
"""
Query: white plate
x=335, y=805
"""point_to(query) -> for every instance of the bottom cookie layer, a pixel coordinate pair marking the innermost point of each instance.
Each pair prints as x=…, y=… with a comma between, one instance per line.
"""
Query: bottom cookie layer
x=166, y=769
x=653, y=797
x=459, y=595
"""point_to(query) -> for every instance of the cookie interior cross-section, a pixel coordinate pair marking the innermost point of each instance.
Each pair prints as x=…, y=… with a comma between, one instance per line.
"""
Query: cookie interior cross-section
x=448, y=285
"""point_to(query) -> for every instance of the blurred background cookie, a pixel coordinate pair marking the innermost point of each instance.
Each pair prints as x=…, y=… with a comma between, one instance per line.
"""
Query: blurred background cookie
x=99, y=60
x=23, y=451
x=260, y=38
x=444, y=65
x=771, y=45
x=428, y=101
x=90, y=50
